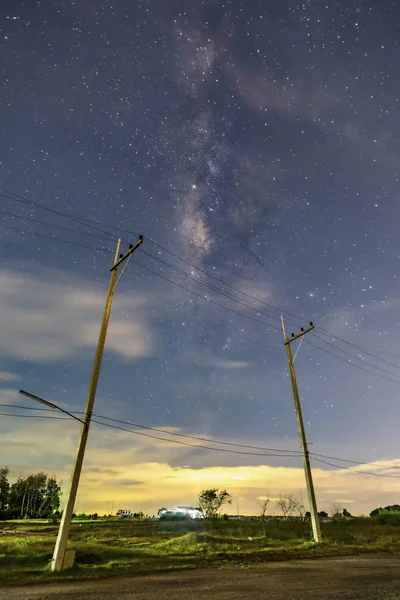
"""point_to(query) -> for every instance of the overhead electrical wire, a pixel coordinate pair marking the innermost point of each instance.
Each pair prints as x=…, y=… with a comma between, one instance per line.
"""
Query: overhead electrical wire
x=196, y=445
x=350, y=364
x=55, y=226
x=156, y=429
x=226, y=450
x=93, y=223
x=81, y=220
x=33, y=416
x=268, y=325
x=77, y=219
x=237, y=290
x=268, y=314
x=259, y=311
x=357, y=347
x=35, y=234
x=275, y=327
x=104, y=225
x=354, y=357
x=57, y=239
x=213, y=302
x=205, y=298
x=354, y=470
x=199, y=438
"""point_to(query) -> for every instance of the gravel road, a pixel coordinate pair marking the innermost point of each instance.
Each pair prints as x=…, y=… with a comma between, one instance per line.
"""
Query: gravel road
x=351, y=578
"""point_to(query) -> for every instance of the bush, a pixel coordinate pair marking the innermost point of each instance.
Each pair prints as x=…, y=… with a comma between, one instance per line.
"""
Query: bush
x=8, y=515
x=388, y=519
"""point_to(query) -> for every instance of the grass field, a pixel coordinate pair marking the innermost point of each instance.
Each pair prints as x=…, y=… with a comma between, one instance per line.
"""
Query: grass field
x=128, y=547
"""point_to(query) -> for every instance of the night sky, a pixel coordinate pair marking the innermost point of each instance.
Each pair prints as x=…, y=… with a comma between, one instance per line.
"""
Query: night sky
x=259, y=142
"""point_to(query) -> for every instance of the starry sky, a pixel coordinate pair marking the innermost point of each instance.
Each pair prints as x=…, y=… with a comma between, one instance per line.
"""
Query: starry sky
x=255, y=146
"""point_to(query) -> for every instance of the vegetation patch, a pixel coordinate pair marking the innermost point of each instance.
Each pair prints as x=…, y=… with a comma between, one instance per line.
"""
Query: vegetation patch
x=113, y=547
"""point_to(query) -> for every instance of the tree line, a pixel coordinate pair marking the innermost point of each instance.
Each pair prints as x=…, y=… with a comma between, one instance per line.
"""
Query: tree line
x=35, y=496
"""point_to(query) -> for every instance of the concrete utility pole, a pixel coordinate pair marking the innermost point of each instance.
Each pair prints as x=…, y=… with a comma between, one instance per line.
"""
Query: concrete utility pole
x=307, y=467
x=58, y=562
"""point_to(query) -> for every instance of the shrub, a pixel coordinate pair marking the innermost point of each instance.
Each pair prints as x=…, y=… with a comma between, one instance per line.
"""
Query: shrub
x=388, y=519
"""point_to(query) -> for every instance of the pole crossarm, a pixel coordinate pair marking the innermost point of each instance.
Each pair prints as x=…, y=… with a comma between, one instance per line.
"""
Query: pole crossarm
x=131, y=250
x=295, y=337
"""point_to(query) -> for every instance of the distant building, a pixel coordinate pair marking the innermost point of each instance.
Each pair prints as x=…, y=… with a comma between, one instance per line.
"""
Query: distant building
x=181, y=512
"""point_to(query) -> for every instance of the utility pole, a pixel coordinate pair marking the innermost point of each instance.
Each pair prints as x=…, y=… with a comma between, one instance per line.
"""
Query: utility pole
x=316, y=529
x=57, y=563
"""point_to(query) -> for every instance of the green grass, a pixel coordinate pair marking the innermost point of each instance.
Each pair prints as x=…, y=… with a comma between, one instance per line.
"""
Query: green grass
x=110, y=548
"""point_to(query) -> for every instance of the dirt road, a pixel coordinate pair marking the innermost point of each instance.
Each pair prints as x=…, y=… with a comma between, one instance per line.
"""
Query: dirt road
x=351, y=578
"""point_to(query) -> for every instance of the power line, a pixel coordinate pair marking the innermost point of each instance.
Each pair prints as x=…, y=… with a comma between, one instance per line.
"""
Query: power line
x=164, y=439
x=34, y=416
x=205, y=298
x=268, y=325
x=212, y=287
x=48, y=237
x=237, y=290
x=357, y=347
x=347, y=362
x=81, y=220
x=355, y=357
x=173, y=433
x=93, y=223
x=354, y=470
x=209, y=440
x=195, y=445
x=223, y=293
x=203, y=447
x=39, y=222
x=205, y=284
x=355, y=462
x=195, y=437
x=90, y=223
x=77, y=219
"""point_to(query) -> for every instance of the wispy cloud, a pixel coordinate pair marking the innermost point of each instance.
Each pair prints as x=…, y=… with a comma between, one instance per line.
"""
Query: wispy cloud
x=262, y=94
x=7, y=376
x=205, y=359
x=339, y=320
x=47, y=316
x=127, y=469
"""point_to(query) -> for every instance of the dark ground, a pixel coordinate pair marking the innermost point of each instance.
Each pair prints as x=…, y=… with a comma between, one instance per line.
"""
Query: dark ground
x=366, y=577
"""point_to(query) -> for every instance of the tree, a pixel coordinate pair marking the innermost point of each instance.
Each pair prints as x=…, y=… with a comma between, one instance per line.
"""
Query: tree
x=391, y=508
x=336, y=511
x=288, y=505
x=263, y=504
x=301, y=509
x=346, y=513
x=4, y=487
x=211, y=502
x=35, y=496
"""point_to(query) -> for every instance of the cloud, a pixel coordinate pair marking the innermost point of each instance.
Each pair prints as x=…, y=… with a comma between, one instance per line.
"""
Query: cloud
x=339, y=320
x=137, y=473
x=205, y=359
x=262, y=94
x=48, y=316
x=7, y=376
